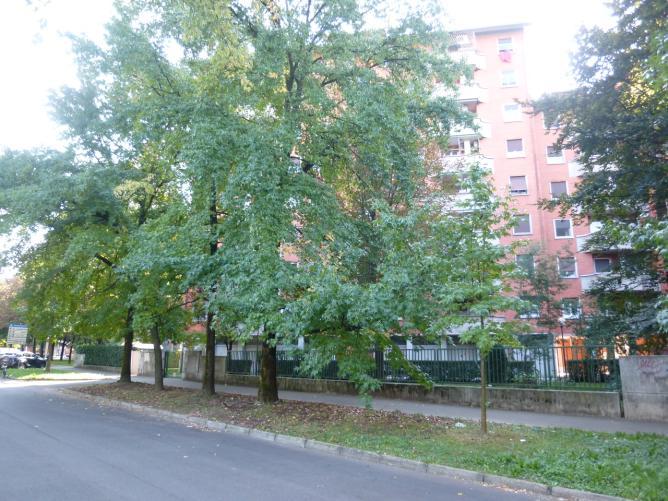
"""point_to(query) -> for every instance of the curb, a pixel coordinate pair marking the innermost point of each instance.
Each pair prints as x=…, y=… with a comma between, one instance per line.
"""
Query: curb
x=349, y=452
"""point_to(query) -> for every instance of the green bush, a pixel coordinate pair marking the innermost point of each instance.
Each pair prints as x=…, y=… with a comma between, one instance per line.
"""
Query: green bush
x=108, y=355
x=591, y=370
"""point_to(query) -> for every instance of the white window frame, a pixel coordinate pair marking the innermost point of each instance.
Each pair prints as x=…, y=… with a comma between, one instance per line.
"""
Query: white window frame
x=554, y=160
x=518, y=194
x=602, y=259
x=515, y=154
x=498, y=45
x=508, y=117
x=566, y=193
x=571, y=316
x=575, y=271
x=570, y=224
x=530, y=227
x=515, y=82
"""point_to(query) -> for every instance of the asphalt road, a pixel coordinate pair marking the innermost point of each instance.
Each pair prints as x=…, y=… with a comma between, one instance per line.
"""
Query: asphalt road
x=58, y=448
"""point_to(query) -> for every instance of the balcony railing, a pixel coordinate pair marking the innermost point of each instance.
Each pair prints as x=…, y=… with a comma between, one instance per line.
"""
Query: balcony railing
x=464, y=93
x=639, y=283
x=480, y=129
x=583, y=245
x=470, y=56
x=459, y=163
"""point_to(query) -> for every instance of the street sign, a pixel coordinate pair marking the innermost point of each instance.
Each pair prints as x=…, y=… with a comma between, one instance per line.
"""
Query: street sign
x=17, y=334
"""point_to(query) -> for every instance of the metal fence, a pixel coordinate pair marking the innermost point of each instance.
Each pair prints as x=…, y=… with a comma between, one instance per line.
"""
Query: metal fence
x=559, y=367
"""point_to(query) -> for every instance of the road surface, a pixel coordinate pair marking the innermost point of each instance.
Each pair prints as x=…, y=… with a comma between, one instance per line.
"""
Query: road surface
x=59, y=448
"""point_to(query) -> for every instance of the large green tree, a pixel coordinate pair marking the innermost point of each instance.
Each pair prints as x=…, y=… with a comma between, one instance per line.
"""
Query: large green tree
x=617, y=121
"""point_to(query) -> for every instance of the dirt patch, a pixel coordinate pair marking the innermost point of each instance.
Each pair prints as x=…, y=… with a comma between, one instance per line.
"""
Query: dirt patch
x=245, y=410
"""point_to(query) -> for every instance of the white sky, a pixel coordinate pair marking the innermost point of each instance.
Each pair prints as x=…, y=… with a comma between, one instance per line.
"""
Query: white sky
x=35, y=56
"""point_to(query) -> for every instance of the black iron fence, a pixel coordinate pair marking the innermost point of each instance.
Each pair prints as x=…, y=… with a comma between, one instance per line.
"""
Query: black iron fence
x=559, y=367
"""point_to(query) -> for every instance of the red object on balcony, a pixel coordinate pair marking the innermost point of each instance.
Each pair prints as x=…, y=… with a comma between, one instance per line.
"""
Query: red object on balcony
x=506, y=56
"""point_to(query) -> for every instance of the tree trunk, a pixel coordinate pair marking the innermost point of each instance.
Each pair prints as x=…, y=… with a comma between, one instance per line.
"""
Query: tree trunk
x=62, y=348
x=209, y=381
x=209, y=378
x=157, y=358
x=127, y=349
x=268, y=389
x=34, y=345
x=483, y=393
x=49, y=355
x=41, y=349
x=69, y=355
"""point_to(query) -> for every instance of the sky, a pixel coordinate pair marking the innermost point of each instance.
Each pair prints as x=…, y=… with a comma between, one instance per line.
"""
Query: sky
x=35, y=55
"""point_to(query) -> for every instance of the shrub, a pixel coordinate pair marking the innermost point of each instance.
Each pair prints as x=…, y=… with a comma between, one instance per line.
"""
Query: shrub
x=108, y=355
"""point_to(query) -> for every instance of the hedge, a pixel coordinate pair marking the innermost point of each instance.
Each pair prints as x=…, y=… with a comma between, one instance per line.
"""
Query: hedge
x=108, y=355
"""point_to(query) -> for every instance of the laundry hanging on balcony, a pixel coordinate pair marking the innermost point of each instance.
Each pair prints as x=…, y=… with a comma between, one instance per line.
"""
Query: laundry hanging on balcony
x=506, y=56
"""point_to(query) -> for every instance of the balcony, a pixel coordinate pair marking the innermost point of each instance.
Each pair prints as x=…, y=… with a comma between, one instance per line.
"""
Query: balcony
x=471, y=57
x=639, y=283
x=458, y=163
x=574, y=169
x=480, y=129
x=582, y=241
x=471, y=93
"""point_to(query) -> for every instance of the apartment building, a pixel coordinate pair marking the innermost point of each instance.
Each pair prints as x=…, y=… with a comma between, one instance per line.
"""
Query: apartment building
x=519, y=150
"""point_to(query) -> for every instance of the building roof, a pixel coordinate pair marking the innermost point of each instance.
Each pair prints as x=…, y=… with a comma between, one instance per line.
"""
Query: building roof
x=493, y=29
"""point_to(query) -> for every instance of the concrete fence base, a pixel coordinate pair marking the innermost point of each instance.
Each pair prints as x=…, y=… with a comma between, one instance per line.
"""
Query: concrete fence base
x=586, y=403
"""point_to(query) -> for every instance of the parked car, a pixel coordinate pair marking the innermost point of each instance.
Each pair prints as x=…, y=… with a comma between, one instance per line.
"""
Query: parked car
x=30, y=359
x=10, y=360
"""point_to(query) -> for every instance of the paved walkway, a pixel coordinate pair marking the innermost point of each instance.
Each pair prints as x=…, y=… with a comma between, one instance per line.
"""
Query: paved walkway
x=589, y=423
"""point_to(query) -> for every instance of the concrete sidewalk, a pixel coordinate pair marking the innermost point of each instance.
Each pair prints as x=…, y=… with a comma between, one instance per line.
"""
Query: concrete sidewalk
x=589, y=423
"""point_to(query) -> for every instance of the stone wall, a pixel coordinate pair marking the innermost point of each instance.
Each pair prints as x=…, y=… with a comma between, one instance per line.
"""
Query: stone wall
x=645, y=387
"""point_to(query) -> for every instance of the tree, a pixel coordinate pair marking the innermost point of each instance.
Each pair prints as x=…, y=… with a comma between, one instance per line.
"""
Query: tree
x=617, y=121
x=9, y=310
x=478, y=273
x=325, y=121
x=539, y=284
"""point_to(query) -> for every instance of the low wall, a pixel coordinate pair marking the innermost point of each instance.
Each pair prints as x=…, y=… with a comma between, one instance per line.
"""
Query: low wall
x=586, y=403
x=103, y=368
x=193, y=367
x=645, y=387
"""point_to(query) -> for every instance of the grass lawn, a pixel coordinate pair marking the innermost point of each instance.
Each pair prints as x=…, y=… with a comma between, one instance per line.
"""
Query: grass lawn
x=54, y=375
x=632, y=466
x=60, y=362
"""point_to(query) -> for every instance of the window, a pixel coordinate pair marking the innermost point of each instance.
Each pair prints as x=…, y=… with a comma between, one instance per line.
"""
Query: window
x=532, y=309
x=525, y=263
x=462, y=147
x=522, y=225
x=558, y=189
x=514, y=148
x=602, y=265
x=554, y=155
x=518, y=185
x=512, y=112
x=567, y=267
x=570, y=308
x=456, y=149
x=562, y=228
x=508, y=78
x=505, y=44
